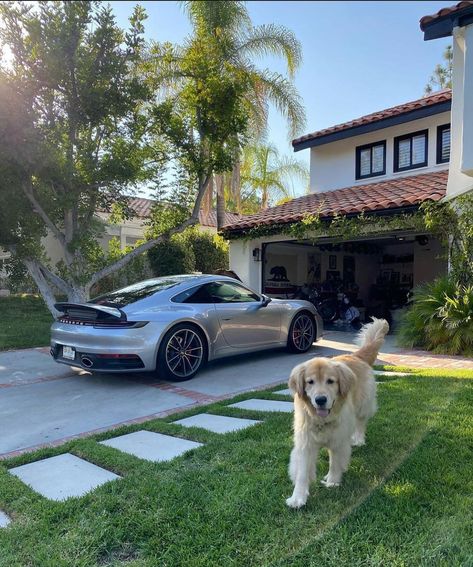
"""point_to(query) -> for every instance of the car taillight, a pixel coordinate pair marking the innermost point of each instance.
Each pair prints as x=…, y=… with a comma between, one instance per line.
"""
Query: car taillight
x=105, y=324
x=120, y=324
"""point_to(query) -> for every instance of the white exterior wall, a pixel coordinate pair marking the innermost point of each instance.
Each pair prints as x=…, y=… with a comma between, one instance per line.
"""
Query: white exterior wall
x=332, y=165
x=242, y=262
x=460, y=176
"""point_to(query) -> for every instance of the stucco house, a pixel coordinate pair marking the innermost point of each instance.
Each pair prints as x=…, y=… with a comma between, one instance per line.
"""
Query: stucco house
x=384, y=165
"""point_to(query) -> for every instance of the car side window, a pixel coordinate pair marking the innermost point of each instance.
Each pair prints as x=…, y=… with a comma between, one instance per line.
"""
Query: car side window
x=194, y=295
x=225, y=292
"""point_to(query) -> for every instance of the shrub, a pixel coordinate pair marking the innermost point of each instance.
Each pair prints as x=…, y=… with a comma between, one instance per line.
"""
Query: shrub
x=190, y=251
x=440, y=319
x=173, y=256
x=210, y=251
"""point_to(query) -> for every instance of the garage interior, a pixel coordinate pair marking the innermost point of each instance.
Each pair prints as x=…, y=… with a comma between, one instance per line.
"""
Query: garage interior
x=376, y=275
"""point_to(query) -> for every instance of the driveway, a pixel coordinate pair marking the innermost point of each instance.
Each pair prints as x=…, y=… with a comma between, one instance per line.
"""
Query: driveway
x=44, y=403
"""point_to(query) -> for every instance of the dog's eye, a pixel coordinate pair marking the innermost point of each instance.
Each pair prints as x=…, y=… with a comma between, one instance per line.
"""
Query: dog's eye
x=330, y=381
x=310, y=381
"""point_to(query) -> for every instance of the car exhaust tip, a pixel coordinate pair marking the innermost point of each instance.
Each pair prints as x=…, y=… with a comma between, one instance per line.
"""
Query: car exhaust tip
x=87, y=362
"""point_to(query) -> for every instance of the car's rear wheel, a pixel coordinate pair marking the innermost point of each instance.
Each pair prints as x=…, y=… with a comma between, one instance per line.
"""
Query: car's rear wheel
x=182, y=353
x=301, y=333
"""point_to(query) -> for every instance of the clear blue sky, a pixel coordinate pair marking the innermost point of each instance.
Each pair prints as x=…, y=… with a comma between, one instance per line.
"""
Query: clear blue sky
x=358, y=57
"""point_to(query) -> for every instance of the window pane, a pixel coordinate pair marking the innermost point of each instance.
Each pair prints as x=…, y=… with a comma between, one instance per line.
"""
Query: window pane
x=446, y=144
x=404, y=153
x=418, y=149
x=378, y=159
x=365, y=162
x=230, y=293
x=135, y=292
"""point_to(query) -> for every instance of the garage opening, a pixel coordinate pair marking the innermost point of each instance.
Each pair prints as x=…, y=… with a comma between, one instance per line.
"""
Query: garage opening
x=359, y=278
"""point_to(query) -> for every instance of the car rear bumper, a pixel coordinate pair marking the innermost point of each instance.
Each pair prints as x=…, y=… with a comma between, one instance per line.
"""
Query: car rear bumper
x=107, y=350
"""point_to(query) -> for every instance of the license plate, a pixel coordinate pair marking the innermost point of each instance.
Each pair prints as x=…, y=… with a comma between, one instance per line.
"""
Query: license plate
x=68, y=352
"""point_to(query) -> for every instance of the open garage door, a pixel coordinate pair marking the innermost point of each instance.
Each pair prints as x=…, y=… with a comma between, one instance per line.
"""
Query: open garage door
x=376, y=275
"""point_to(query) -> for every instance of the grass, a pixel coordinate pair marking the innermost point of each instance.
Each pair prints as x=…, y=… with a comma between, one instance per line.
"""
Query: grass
x=407, y=499
x=25, y=322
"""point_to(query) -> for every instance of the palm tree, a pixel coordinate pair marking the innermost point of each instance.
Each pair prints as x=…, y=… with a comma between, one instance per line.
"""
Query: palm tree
x=269, y=176
x=240, y=43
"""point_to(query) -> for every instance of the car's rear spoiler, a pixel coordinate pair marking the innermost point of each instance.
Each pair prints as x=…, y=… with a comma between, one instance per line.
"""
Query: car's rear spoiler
x=89, y=311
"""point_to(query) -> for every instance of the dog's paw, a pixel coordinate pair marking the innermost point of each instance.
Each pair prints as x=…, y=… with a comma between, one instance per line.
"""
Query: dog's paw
x=329, y=483
x=357, y=440
x=296, y=501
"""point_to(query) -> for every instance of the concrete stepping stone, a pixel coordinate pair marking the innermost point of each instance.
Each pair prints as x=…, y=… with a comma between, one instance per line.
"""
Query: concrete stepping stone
x=151, y=446
x=389, y=373
x=4, y=520
x=62, y=477
x=264, y=405
x=217, y=423
x=285, y=392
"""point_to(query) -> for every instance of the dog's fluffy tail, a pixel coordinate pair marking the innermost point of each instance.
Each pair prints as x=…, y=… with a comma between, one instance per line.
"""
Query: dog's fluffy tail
x=370, y=339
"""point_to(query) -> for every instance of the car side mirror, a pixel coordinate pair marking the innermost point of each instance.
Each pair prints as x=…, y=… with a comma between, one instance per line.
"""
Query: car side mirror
x=265, y=301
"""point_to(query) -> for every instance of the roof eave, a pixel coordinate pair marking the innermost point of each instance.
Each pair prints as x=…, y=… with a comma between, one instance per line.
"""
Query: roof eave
x=409, y=116
x=380, y=212
x=443, y=26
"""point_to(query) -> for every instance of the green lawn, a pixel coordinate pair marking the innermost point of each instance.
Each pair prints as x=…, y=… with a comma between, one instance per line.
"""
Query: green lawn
x=25, y=322
x=407, y=499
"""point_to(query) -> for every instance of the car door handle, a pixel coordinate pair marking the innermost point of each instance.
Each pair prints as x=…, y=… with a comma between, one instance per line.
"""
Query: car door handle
x=227, y=319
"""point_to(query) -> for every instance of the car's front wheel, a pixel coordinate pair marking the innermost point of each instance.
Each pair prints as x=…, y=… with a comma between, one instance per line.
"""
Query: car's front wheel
x=182, y=353
x=301, y=333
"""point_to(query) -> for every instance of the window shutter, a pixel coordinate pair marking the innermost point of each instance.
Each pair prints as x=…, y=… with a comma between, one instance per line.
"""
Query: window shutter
x=377, y=159
x=418, y=149
x=446, y=144
x=404, y=153
x=365, y=162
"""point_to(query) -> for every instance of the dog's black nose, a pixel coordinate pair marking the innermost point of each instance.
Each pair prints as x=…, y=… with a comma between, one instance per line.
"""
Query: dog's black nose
x=321, y=400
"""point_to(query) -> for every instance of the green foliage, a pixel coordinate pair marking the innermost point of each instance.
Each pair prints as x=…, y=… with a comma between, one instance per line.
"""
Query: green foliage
x=171, y=257
x=210, y=251
x=267, y=175
x=453, y=222
x=136, y=270
x=313, y=226
x=191, y=251
x=440, y=319
x=442, y=75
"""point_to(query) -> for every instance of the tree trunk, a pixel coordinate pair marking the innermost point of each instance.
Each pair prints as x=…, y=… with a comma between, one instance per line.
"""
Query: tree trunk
x=43, y=285
x=220, y=201
x=208, y=198
x=236, y=186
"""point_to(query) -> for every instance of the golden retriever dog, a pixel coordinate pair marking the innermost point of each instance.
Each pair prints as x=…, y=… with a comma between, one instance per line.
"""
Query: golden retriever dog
x=333, y=401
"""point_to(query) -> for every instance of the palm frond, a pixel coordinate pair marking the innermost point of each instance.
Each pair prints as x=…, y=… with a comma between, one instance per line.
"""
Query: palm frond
x=283, y=94
x=272, y=39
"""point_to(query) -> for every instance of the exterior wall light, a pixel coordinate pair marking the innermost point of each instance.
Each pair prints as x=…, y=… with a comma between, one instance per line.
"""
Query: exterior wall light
x=256, y=254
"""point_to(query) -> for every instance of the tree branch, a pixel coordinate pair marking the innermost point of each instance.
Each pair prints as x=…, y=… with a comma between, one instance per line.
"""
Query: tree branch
x=28, y=191
x=124, y=260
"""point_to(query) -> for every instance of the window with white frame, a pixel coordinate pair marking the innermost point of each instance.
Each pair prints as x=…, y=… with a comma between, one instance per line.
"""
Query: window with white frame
x=371, y=160
x=410, y=151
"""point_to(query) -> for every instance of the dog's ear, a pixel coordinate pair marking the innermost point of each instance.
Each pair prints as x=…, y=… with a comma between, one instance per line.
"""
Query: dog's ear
x=297, y=380
x=346, y=377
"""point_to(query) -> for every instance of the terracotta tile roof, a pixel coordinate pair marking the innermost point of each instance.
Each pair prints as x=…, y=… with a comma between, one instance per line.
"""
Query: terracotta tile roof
x=444, y=12
x=211, y=218
x=143, y=207
x=382, y=196
x=430, y=100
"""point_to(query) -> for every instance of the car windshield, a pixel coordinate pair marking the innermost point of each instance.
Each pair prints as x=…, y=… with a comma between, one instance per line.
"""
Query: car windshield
x=135, y=292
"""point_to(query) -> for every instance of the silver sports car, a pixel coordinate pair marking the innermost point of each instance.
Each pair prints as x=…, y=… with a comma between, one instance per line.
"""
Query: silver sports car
x=174, y=324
